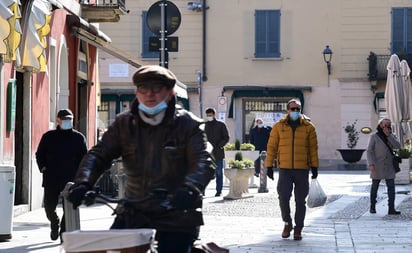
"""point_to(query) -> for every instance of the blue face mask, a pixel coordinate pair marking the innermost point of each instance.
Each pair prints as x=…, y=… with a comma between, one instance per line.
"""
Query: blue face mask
x=66, y=124
x=153, y=110
x=294, y=115
x=260, y=125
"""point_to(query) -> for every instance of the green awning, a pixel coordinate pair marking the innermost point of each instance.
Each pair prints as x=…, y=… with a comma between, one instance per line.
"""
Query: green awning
x=263, y=91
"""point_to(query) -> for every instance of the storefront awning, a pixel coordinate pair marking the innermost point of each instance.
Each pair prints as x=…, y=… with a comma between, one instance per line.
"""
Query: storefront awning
x=10, y=30
x=265, y=91
x=94, y=36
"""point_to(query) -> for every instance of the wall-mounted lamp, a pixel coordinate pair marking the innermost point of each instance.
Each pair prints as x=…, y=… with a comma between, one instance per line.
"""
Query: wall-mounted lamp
x=194, y=6
x=327, y=57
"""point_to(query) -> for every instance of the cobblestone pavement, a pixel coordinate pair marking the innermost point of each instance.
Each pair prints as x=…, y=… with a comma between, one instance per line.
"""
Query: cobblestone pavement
x=253, y=225
x=342, y=225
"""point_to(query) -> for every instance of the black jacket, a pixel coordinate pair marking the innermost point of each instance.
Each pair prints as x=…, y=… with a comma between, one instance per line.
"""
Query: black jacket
x=60, y=151
x=259, y=137
x=173, y=154
x=218, y=136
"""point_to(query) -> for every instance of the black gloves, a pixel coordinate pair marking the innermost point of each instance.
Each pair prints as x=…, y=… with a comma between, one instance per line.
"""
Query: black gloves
x=314, y=172
x=184, y=198
x=77, y=192
x=269, y=172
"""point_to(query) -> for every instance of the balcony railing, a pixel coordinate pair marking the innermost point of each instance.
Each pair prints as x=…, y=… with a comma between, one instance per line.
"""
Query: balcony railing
x=378, y=64
x=103, y=10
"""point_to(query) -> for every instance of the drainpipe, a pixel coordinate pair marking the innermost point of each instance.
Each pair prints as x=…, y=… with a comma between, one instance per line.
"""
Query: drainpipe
x=204, y=76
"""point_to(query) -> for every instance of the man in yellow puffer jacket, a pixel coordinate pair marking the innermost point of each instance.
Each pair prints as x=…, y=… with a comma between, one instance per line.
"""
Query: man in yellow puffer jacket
x=293, y=148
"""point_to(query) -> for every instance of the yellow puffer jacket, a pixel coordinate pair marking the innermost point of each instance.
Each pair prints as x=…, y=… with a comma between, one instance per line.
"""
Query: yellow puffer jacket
x=290, y=150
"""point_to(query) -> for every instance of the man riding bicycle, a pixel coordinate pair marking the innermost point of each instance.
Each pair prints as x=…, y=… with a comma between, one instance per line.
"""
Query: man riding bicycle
x=162, y=146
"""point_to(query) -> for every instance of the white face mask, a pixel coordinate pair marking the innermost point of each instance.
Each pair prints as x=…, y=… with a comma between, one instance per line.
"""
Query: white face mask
x=66, y=124
x=209, y=118
x=160, y=107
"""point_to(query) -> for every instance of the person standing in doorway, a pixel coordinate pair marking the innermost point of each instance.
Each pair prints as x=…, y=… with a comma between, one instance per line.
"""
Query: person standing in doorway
x=218, y=135
x=58, y=155
x=259, y=136
x=380, y=162
x=293, y=145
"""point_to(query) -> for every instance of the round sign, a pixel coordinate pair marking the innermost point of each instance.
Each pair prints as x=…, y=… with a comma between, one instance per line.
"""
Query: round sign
x=173, y=17
x=222, y=100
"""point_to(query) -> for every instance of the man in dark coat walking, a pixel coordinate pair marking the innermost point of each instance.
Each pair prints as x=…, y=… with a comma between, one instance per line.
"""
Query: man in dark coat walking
x=218, y=136
x=58, y=155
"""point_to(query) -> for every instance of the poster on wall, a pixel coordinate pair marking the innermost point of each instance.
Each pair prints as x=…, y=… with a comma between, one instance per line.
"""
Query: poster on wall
x=269, y=118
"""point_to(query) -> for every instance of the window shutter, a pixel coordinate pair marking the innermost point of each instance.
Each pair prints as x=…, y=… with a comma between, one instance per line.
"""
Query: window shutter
x=267, y=33
x=398, y=30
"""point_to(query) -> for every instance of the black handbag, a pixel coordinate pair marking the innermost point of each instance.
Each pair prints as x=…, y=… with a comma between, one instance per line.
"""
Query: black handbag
x=396, y=161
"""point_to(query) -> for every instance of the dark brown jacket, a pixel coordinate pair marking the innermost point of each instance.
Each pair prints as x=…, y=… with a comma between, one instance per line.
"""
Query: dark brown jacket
x=170, y=155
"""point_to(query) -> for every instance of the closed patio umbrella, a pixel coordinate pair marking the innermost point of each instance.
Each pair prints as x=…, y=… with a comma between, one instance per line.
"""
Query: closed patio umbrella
x=406, y=109
x=398, y=95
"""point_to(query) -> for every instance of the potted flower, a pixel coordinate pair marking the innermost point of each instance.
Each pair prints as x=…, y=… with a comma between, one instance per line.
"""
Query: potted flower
x=351, y=155
x=240, y=163
x=247, y=149
x=238, y=173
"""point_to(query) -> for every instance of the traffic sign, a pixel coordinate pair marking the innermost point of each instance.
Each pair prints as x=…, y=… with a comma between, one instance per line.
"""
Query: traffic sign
x=172, y=44
x=221, y=104
x=173, y=18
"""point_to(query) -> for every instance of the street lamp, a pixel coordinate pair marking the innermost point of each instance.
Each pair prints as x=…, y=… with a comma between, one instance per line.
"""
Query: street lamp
x=327, y=57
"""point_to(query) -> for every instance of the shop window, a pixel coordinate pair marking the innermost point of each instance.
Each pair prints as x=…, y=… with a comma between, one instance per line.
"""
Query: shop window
x=269, y=111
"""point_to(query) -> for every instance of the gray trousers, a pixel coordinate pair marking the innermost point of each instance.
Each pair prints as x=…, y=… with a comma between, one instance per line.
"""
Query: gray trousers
x=296, y=180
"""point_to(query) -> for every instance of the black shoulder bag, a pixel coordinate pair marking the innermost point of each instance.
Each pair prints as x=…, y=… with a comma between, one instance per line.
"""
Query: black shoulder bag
x=396, y=160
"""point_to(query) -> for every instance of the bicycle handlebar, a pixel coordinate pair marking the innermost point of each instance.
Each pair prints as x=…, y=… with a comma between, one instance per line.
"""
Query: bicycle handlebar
x=94, y=196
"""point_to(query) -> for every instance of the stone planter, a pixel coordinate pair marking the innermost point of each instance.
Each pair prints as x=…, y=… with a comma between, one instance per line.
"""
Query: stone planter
x=403, y=176
x=238, y=183
x=247, y=154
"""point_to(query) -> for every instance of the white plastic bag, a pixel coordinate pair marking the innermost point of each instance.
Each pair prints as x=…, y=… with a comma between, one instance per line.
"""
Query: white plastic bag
x=316, y=196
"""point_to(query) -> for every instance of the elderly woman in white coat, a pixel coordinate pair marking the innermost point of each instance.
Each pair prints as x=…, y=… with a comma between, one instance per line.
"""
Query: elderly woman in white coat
x=380, y=162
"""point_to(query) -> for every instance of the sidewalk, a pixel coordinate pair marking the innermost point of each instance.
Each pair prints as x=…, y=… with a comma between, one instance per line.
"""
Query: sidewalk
x=254, y=225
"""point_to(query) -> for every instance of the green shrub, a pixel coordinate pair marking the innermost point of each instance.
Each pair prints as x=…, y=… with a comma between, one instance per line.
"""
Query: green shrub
x=237, y=144
x=238, y=156
x=404, y=153
x=352, y=134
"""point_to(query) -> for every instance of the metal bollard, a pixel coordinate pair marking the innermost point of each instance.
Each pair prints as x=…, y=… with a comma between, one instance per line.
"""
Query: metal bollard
x=263, y=174
x=71, y=216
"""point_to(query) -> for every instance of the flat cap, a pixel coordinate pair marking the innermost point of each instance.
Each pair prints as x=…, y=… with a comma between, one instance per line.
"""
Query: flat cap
x=65, y=113
x=148, y=74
